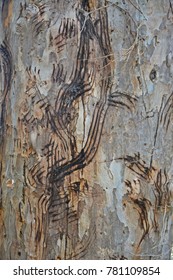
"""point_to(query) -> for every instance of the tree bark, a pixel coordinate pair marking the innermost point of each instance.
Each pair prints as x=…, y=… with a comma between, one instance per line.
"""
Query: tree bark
x=86, y=150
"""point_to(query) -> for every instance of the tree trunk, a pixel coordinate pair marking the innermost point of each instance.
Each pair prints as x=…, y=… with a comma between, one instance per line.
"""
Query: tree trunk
x=86, y=150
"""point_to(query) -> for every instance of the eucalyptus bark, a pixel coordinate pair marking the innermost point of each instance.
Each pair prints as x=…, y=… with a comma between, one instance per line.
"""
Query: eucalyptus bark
x=86, y=150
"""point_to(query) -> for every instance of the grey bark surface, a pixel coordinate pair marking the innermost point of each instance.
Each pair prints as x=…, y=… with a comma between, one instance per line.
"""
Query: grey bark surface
x=86, y=129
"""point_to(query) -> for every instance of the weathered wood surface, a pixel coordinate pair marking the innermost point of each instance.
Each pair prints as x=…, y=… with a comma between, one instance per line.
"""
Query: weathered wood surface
x=86, y=102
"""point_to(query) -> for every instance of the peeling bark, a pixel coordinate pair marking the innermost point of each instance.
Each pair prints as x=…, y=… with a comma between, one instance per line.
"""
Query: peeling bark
x=86, y=104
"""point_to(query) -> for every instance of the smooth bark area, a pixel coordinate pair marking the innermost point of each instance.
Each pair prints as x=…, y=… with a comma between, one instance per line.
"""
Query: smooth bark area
x=86, y=129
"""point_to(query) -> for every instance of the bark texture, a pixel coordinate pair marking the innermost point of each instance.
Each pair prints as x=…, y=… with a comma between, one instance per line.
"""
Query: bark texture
x=86, y=150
